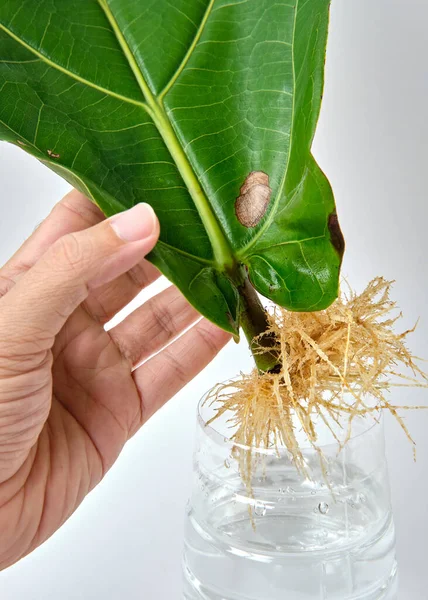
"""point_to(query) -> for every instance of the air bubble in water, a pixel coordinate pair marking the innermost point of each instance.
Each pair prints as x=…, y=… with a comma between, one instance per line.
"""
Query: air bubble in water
x=260, y=509
x=323, y=507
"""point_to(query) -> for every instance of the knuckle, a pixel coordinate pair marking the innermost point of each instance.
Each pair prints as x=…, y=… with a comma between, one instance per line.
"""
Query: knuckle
x=70, y=254
x=176, y=366
x=79, y=206
x=139, y=276
x=6, y=284
x=128, y=350
x=207, y=340
x=163, y=318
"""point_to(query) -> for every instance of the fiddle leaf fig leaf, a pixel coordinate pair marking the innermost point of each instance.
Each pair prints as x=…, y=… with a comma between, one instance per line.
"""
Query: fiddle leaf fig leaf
x=206, y=109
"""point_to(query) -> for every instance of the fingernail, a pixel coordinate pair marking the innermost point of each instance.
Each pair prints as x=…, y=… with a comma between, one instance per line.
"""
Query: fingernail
x=137, y=223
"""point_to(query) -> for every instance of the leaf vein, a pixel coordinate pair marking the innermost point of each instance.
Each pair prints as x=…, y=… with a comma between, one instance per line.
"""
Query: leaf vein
x=273, y=269
x=276, y=202
x=290, y=242
x=189, y=52
x=71, y=74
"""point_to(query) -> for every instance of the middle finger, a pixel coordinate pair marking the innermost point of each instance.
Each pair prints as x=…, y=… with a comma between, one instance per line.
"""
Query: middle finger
x=150, y=327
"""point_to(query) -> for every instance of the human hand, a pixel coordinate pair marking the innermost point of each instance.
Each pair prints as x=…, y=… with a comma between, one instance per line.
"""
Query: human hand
x=70, y=396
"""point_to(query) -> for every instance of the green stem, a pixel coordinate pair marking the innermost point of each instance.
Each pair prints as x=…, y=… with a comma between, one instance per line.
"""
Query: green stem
x=254, y=322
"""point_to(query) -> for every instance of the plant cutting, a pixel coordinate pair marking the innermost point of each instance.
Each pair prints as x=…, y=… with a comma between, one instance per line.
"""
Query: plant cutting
x=207, y=111
x=212, y=134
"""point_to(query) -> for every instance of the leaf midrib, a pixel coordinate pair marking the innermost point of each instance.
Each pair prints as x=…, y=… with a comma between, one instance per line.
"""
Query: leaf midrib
x=153, y=105
x=223, y=255
x=220, y=244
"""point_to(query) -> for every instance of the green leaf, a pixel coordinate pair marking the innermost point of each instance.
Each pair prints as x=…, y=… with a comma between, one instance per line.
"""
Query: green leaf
x=175, y=103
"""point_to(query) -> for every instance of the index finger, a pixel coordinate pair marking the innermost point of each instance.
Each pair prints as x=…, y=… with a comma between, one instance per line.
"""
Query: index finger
x=73, y=213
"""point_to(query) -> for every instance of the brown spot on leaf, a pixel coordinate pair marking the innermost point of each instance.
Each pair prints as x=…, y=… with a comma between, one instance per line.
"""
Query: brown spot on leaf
x=336, y=235
x=53, y=155
x=254, y=200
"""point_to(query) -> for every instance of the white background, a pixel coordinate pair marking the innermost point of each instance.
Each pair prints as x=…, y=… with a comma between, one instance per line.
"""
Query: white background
x=125, y=540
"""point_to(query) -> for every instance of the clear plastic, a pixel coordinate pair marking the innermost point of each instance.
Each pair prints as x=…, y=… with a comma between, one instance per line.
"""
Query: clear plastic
x=325, y=536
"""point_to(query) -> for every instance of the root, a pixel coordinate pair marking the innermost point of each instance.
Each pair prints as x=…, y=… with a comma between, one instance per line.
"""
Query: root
x=337, y=364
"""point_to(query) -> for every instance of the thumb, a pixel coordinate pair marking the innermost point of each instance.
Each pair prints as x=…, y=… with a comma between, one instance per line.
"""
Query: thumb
x=37, y=307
